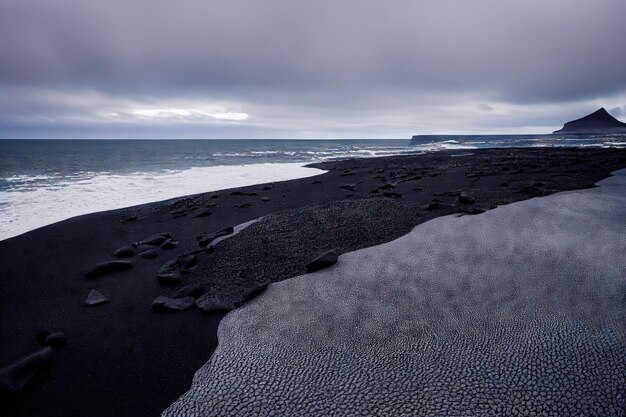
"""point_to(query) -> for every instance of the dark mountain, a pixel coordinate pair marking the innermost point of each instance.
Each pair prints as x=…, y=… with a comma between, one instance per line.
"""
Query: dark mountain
x=600, y=121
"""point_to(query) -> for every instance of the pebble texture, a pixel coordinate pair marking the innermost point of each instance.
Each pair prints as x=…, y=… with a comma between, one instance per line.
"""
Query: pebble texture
x=517, y=311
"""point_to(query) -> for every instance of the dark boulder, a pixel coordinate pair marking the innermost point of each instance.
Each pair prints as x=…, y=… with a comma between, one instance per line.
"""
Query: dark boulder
x=212, y=303
x=16, y=376
x=55, y=340
x=149, y=254
x=206, y=240
x=433, y=205
x=169, y=244
x=155, y=240
x=162, y=303
x=191, y=290
x=465, y=198
x=124, y=252
x=95, y=298
x=187, y=262
x=325, y=260
x=204, y=213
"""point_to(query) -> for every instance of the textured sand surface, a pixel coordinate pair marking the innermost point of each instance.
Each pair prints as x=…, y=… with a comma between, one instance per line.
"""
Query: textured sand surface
x=517, y=311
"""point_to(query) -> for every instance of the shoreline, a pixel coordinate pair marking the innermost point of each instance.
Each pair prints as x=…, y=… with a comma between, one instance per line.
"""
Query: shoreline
x=358, y=203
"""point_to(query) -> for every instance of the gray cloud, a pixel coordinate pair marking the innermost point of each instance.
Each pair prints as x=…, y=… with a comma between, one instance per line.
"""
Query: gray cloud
x=286, y=61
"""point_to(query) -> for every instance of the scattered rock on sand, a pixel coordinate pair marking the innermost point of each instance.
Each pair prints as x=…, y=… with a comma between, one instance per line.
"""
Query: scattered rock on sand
x=107, y=267
x=239, y=192
x=55, y=340
x=149, y=254
x=191, y=290
x=124, y=252
x=433, y=205
x=211, y=303
x=350, y=187
x=162, y=303
x=95, y=298
x=204, y=213
x=169, y=244
x=187, y=262
x=155, y=240
x=465, y=198
x=41, y=337
x=15, y=377
x=325, y=260
x=205, y=240
x=169, y=273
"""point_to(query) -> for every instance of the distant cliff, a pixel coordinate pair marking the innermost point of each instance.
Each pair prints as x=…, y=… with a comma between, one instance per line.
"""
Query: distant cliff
x=599, y=121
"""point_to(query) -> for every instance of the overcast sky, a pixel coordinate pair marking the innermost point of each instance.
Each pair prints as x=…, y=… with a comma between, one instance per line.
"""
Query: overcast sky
x=306, y=69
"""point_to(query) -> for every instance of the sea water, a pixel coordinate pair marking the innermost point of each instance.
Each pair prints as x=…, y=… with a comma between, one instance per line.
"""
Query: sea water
x=45, y=181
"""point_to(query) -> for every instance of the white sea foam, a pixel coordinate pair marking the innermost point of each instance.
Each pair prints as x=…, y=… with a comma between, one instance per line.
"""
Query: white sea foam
x=27, y=208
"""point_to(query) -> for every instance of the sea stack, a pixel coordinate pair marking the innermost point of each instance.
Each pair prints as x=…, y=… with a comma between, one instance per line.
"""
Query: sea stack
x=598, y=122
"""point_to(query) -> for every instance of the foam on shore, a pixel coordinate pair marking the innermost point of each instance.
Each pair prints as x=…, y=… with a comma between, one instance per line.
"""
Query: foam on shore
x=516, y=310
x=28, y=207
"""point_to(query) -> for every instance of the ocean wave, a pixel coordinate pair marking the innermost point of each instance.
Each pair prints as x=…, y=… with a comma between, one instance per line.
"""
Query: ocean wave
x=29, y=207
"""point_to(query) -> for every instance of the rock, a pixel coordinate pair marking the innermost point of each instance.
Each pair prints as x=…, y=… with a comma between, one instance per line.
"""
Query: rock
x=169, y=244
x=205, y=240
x=149, y=254
x=350, y=187
x=244, y=205
x=55, y=340
x=169, y=273
x=325, y=260
x=171, y=279
x=503, y=184
x=16, y=376
x=211, y=303
x=433, y=205
x=95, y=298
x=124, y=252
x=265, y=199
x=239, y=192
x=316, y=182
x=41, y=337
x=162, y=303
x=155, y=240
x=107, y=267
x=388, y=186
x=465, y=198
x=129, y=219
x=187, y=262
x=176, y=214
x=392, y=195
x=268, y=187
x=204, y=213
x=191, y=290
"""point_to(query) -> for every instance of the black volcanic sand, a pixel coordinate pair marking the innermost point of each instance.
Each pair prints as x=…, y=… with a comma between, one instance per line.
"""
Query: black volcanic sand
x=123, y=358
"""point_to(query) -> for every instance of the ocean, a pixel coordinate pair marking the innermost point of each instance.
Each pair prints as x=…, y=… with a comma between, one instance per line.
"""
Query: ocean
x=45, y=181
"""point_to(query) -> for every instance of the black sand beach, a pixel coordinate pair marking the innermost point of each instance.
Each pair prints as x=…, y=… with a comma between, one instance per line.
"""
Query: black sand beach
x=123, y=358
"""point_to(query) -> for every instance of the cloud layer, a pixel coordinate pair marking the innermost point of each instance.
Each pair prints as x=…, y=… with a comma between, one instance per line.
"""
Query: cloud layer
x=305, y=69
